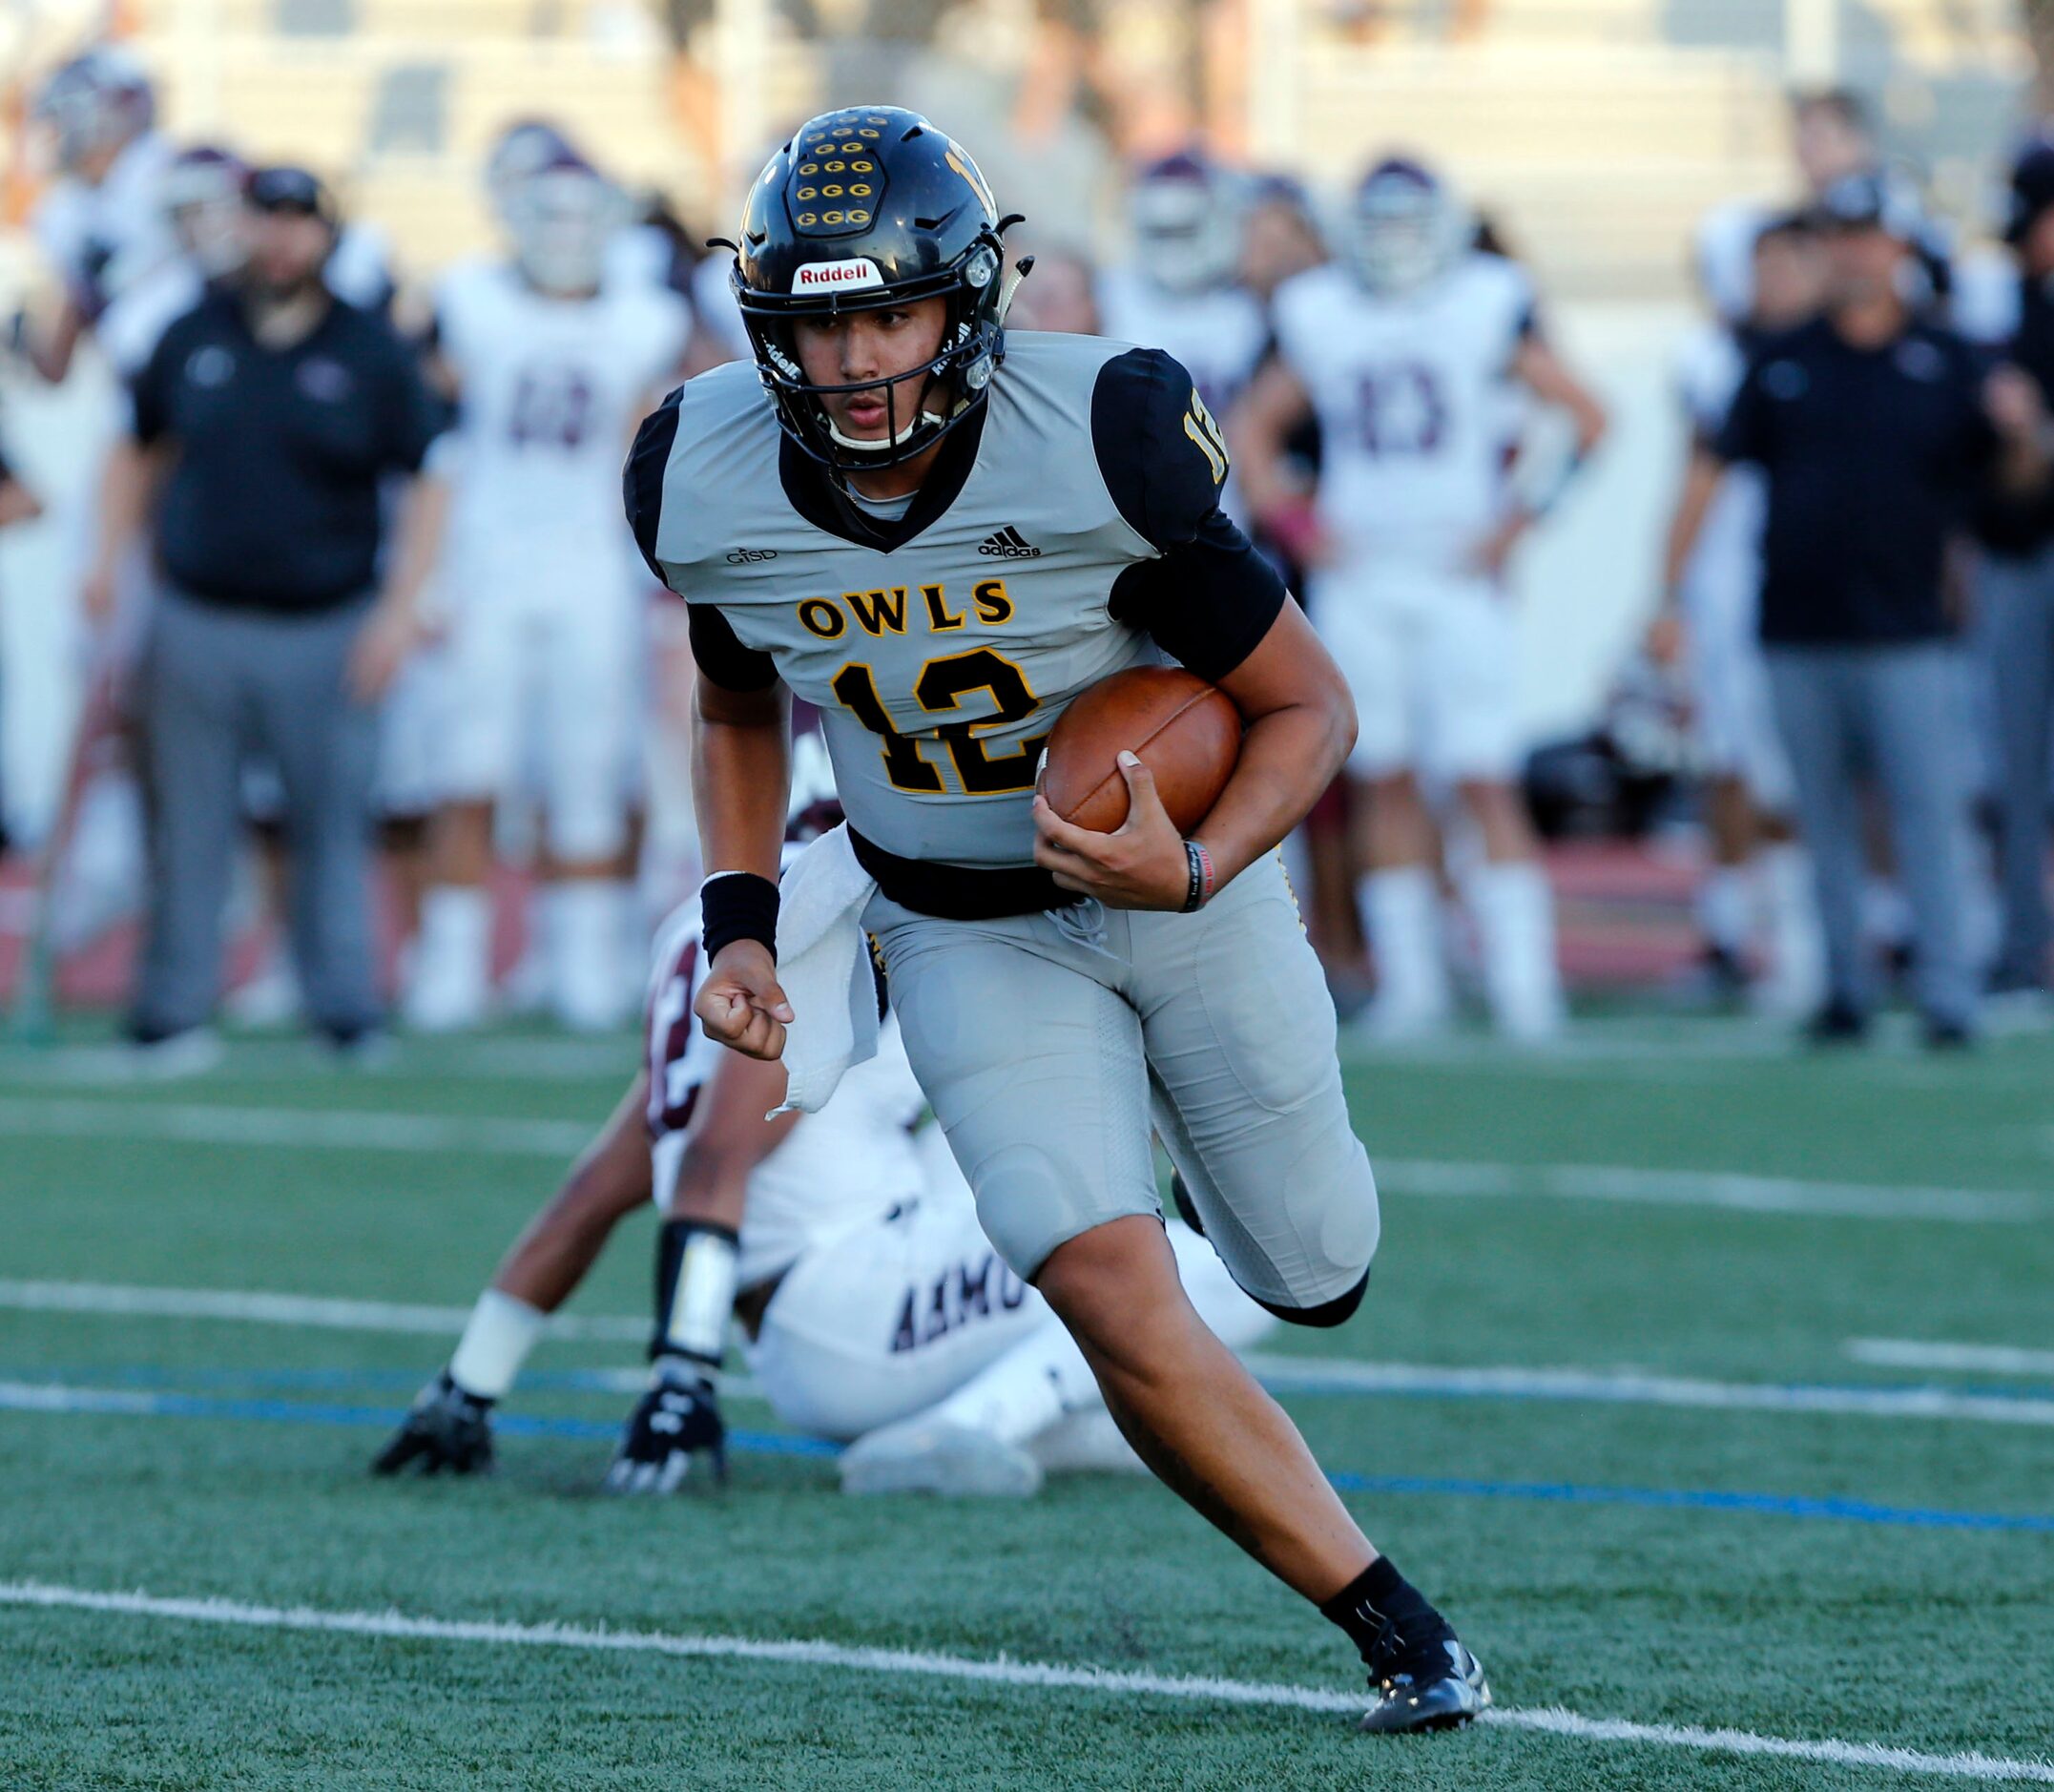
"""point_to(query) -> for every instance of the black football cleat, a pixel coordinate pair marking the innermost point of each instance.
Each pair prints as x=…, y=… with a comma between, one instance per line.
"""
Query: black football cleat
x=1442, y=1689
x=446, y=1429
x=676, y=1421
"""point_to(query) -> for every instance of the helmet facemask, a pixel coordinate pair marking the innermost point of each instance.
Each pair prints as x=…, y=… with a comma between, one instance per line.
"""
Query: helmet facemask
x=562, y=219
x=1407, y=229
x=1187, y=233
x=922, y=403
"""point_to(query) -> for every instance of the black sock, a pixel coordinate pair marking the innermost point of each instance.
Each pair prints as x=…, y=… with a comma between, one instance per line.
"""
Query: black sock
x=1386, y=1617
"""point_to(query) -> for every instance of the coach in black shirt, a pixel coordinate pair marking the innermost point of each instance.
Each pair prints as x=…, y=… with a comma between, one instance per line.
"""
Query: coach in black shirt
x=2016, y=609
x=269, y=426
x=1878, y=436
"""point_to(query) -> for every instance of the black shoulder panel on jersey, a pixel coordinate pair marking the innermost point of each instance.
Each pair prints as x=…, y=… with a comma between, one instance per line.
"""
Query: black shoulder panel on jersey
x=642, y=478
x=1160, y=453
x=719, y=652
x=1207, y=602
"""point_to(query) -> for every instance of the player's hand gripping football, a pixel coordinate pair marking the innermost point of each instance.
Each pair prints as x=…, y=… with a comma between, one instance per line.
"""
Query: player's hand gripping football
x=740, y=1004
x=1140, y=865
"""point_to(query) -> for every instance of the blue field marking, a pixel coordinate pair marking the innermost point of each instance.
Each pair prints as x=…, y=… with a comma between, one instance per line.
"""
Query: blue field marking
x=60, y=1397
x=1273, y=1372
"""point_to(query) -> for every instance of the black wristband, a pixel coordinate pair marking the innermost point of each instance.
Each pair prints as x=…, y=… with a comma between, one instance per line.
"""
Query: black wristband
x=737, y=906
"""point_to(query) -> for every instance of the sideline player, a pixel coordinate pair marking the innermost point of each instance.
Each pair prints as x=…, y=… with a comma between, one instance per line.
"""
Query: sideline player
x=103, y=223
x=541, y=667
x=1709, y=616
x=1182, y=291
x=939, y=534
x=872, y=1305
x=1407, y=350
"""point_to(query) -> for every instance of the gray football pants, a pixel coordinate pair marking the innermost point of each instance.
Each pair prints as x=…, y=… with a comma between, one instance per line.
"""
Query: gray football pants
x=2018, y=634
x=217, y=687
x=1898, y=714
x=1048, y=1043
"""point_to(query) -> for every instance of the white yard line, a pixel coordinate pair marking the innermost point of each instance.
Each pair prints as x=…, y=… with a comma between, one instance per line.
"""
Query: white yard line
x=336, y=1129
x=1290, y=1373
x=1710, y=1188
x=313, y=1311
x=1316, y=1375
x=1035, y=1676
x=1914, y=1353
x=298, y=1128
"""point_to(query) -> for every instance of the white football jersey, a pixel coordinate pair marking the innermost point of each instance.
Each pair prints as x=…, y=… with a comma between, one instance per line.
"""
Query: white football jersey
x=837, y=1171
x=1413, y=397
x=1218, y=334
x=549, y=392
x=102, y=238
x=1725, y=566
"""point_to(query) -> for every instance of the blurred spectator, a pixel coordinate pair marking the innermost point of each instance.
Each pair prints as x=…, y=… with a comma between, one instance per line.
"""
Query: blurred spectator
x=264, y=422
x=1875, y=433
x=2017, y=596
x=1710, y=614
x=1060, y=294
x=1279, y=237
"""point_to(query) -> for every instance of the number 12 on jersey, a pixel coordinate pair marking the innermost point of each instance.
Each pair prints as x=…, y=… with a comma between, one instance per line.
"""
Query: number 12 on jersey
x=941, y=687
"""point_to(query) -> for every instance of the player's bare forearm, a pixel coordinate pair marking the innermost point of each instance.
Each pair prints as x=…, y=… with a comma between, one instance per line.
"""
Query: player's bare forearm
x=729, y=1137
x=607, y=1185
x=742, y=776
x=741, y=772
x=1301, y=725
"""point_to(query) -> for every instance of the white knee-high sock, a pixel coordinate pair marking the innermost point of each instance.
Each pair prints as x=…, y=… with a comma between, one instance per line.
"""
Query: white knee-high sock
x=1726, y=909
x=1030, y=1387
x=1797, y=979
x=1515, y=917
x=452, y=979
x=497, y=1337
x=589, y=983
x=1402, y=917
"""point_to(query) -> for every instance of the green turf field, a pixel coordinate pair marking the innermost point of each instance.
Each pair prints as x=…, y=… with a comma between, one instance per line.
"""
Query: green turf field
x=1699, y=1224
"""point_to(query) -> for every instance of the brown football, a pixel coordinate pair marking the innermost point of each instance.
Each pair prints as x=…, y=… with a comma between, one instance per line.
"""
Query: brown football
x=1186, y=731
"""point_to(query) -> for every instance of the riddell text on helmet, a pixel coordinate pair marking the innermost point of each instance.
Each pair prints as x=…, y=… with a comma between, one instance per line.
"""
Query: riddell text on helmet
x=857, y=271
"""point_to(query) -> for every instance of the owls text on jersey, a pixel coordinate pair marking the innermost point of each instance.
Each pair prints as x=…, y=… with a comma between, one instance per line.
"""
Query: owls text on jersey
x=1410, y=391
x=1069, y=529
x=838, y=1170
x=549, y=388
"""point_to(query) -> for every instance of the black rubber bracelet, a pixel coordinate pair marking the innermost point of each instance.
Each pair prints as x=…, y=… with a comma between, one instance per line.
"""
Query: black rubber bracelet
x=737, y=906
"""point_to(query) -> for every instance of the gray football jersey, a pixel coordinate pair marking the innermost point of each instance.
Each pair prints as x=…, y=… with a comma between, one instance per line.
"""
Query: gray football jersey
x=940, y=663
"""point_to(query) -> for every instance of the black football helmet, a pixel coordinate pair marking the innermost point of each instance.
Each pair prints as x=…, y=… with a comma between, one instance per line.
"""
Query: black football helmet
x=865, y=207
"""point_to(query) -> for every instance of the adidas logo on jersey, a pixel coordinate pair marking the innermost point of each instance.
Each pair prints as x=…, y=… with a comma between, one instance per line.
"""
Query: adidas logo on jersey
x=1008, y=543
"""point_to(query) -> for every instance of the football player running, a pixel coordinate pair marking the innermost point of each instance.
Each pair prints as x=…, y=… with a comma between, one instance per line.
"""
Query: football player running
x=871, y=1306
x=939, y=534
x=552, y=366
x=1410, y=349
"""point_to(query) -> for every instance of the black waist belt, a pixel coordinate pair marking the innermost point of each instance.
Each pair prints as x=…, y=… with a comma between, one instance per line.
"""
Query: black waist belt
x=960, y=892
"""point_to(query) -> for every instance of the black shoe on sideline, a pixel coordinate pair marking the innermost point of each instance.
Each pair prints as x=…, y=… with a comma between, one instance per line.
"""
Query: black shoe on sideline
x=1838, y=1023
x=1945, y=1033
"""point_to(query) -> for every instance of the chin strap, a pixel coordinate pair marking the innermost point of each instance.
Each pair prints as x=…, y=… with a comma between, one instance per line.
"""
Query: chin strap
x=877, y=445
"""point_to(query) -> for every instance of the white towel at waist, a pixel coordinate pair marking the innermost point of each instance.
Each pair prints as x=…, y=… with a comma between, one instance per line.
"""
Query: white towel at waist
x=823, y=964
